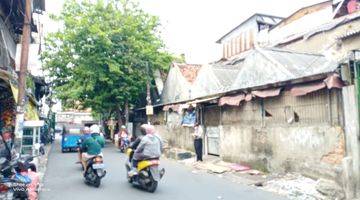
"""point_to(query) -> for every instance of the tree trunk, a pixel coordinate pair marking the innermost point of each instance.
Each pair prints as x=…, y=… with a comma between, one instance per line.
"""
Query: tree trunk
x=119, y=117
x=126, y=112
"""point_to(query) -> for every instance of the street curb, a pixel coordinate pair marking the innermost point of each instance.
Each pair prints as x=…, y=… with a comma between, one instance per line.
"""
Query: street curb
x=42, y=167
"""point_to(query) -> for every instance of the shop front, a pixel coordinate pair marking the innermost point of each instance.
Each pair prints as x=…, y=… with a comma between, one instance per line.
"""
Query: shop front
x=7, y=114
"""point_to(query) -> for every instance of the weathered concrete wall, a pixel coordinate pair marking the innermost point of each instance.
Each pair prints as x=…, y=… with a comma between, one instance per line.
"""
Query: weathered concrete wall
x=170, y=129
x=313, y=145
x=313, y=151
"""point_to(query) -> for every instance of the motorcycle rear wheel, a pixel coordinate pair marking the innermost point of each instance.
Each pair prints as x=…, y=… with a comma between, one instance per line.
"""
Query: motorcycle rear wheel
x=97, y=182
x=151, y=187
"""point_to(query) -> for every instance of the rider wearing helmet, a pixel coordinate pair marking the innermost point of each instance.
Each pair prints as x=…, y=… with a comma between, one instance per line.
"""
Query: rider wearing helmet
x=92, y=145
x=150, y=147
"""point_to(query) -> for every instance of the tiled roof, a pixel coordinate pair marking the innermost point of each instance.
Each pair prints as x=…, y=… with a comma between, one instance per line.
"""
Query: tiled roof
x=189, y=71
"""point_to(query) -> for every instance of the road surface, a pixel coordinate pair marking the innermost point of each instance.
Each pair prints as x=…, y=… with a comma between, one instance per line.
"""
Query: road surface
x=63, y=181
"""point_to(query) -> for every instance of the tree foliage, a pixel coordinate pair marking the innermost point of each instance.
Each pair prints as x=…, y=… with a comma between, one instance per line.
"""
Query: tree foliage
x=103, y=54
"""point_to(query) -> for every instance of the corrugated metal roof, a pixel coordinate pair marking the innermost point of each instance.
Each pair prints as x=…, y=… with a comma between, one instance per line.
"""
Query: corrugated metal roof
x=260, y=68
x=322, y=28
x=350, y=33
x=270, y=66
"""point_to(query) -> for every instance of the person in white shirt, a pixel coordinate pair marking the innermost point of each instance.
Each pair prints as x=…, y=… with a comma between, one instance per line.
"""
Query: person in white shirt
x=198, y=145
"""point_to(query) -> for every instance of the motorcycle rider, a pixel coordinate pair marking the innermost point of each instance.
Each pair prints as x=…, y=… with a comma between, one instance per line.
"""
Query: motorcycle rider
x=150, y=147
x=92, y=145
x=123, y=135
x=86, y=132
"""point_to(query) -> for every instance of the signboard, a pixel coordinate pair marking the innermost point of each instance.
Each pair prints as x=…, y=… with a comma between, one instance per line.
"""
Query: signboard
x=149, y=110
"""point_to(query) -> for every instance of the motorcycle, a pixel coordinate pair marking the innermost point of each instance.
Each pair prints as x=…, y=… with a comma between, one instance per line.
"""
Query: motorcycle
x=18, y=179
x=95, y=170
x=148, y=174
x=124, y=143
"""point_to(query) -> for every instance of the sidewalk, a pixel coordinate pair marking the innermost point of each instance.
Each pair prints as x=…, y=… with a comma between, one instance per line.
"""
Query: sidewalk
x=42, y=164
x=293, y=186
x=214, y=165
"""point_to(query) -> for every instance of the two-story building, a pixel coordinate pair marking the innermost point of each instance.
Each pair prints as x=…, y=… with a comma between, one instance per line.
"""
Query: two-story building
x=242, y=38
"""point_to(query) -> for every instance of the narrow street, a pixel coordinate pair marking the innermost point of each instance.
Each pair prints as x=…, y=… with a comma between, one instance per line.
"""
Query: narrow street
x=63, y=180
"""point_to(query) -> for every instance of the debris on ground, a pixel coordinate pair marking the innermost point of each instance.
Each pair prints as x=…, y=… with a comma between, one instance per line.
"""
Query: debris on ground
x=253, y=172
x=239, y=168
x=294, y=186
x=330, y=189
x=212, y=168
x=178, y=154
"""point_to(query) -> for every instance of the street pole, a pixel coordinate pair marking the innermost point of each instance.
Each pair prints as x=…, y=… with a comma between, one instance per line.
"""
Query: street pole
x=148, y=95
x=23, y=68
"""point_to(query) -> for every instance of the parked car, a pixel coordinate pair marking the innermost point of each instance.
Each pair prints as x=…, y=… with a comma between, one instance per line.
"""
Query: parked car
x=69, y=141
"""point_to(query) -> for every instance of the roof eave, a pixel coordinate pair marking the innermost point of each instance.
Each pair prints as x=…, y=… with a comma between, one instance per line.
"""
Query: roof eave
x=255, y=14
x=309, y=78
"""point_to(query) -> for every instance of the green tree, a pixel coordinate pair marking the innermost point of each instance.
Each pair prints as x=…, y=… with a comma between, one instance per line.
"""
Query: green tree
x=103, y=55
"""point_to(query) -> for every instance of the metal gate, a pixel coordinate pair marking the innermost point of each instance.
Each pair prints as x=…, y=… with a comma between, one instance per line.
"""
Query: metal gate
x=212, y=123
x=213, y=140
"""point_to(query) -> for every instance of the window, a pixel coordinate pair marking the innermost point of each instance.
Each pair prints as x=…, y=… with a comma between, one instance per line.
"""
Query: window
x=290, y=115
x=267, y=114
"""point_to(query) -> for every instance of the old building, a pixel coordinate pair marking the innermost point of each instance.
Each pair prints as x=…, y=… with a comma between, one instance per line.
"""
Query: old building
x=282, y=98
x=242, y=38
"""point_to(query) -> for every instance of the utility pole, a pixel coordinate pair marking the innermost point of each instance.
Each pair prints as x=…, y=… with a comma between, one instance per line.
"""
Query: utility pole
x=149, y=108
x=25, y=42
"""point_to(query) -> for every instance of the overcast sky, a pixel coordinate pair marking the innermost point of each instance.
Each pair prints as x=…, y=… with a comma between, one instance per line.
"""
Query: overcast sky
x=192, y=26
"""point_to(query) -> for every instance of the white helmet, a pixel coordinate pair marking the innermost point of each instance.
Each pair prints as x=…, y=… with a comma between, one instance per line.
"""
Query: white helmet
x=95, y=129
x=123, y=127
x=86, y=129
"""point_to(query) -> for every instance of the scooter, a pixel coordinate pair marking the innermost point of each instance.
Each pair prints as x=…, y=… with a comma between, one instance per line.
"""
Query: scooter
x=95, y=171
x=18, y=179
x=149, y=173
x=124, y=143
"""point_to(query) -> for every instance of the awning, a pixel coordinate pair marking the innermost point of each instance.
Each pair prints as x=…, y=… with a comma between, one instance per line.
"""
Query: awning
x=31, y=113
x=266, y=93
x=232, y=100
x=174, y=107
x=248, y=97
x=15, y=91
x=6, y=76
x=332, y=81
x=304, y=89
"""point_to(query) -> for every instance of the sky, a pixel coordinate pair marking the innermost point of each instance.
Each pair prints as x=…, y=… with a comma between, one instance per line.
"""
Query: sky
x=191, y=27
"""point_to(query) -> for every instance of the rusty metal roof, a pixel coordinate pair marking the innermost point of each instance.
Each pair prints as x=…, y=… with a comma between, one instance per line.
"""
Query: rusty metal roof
x=189, y=71
x=260, y=68
x=269, y=66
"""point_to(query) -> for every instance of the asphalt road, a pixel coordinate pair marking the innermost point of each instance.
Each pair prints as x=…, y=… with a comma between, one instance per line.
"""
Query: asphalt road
x=63, y=181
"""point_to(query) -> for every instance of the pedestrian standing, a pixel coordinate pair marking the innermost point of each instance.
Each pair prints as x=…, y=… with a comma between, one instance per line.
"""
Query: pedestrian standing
x=198, y=133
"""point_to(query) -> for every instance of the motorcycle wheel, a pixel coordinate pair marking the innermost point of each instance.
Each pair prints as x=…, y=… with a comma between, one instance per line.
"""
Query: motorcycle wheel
x=33, y=167
x=151, y=187
x=130, y=180
x=97, y=182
